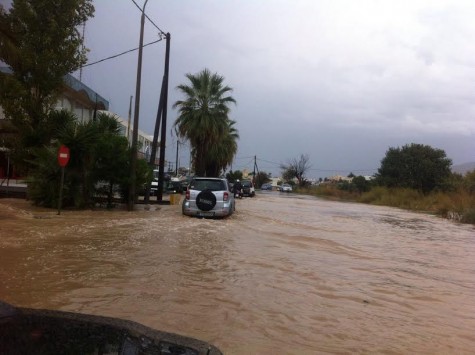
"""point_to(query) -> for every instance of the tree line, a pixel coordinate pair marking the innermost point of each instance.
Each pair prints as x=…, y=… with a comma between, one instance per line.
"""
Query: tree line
x=415, y=166
x=414, y=176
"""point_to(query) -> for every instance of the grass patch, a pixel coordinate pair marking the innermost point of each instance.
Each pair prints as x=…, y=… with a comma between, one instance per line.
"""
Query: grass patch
x=458, y=205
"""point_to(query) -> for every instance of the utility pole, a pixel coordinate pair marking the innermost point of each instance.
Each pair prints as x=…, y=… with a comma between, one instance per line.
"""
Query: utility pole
x=133, y=160
x=163, y=136
x=255, y=168
x=161, y=116
x=130, y=117
x=176, y=160
x=153, y=153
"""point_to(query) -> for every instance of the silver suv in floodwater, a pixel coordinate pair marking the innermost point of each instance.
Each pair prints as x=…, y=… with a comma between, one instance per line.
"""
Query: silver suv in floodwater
x=208, y=197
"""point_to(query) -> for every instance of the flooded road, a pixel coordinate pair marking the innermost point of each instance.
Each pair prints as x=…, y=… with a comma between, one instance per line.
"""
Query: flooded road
x=286, y=274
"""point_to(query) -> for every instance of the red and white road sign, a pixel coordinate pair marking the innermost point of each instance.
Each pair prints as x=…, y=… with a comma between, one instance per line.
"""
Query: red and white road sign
x=63, y=156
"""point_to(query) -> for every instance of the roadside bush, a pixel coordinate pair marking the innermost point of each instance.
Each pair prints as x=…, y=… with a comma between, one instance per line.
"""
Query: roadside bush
x=143, y=176
x=458, y=205
x=468, y=216
x=361, y=184
x=399, y=197
x=469, y=182
x=43, y=182
x=98, y=165
x=328, y=191
x=373, y=196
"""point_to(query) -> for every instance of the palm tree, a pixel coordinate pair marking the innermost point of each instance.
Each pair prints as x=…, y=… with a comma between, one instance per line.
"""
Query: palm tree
x=203, y=120
x=222, y=153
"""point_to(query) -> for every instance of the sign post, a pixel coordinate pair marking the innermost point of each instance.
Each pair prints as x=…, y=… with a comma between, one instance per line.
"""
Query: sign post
x=63, y=160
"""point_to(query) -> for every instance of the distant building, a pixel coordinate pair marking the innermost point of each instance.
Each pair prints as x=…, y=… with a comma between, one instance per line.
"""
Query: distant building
x=274, y=181
x=339, y=178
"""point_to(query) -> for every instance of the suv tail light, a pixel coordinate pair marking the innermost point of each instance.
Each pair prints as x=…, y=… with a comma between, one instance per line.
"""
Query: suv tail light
x=187, y=194
x=225, y=196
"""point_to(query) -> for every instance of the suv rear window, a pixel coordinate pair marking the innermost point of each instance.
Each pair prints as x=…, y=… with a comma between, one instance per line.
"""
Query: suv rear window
x=203, y=184
x=246, y=184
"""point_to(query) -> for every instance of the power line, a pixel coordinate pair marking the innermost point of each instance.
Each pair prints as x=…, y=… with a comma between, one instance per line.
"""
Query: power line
x=120, y=54
x=268, y=161
x=245, y=166
x=322, y=170
x=351, y=170
x=148, y=18
x=240, y=158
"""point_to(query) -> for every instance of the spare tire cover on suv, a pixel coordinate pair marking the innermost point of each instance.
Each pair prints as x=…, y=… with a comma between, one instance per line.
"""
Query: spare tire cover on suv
x=206, y=200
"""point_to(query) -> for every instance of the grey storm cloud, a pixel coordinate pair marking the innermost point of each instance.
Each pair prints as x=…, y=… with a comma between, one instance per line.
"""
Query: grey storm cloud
x=340, y=80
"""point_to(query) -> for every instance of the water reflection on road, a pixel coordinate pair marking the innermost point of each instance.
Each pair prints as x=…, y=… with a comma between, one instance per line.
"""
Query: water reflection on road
x=285, y=274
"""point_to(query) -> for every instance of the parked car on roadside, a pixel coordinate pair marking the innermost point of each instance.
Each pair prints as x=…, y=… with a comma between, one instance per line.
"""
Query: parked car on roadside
x=248, y=188
x=266, y=186
x=175, y=187
x=154, y=184
x=286, y=188
x=208, y=197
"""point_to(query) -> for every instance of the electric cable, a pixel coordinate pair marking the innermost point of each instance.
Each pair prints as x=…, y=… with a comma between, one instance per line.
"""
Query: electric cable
x=148, y=18
x=321, y=170
x=240, y=158
x=268, y=161
x=120, y=54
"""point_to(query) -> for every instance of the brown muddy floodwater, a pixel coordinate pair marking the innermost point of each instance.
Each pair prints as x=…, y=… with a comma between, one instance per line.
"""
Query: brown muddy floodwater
x=284, y=275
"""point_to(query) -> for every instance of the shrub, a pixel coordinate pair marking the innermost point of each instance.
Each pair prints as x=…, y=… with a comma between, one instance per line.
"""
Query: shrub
x=468, y=216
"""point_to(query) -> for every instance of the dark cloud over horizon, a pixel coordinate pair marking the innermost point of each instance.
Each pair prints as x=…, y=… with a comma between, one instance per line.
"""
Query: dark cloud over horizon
x=340, y=80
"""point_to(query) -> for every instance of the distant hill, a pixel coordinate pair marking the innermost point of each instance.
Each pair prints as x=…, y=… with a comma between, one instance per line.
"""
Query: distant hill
x=463, y=168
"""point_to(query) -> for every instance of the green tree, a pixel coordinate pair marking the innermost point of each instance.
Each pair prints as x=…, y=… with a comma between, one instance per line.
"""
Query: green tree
x=98, y=164
x=261, y=178
x=111, y=157
x=203, y=120
x=232, y=176
x=287, y=174
x=361, y=184
x=414, y=166
x=8, y=45
x=40, y=42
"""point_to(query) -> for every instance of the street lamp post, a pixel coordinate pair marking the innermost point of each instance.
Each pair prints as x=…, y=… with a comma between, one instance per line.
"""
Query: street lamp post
x=133, y=160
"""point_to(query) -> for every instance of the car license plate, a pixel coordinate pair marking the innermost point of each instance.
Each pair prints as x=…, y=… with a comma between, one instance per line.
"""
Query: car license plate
x=206, y=214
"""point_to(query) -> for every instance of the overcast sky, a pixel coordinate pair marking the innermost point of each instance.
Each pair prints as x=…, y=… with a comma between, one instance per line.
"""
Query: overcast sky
x=341, y=81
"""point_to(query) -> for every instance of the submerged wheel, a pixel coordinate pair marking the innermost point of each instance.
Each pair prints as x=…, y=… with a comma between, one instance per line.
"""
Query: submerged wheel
x=206, y=200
